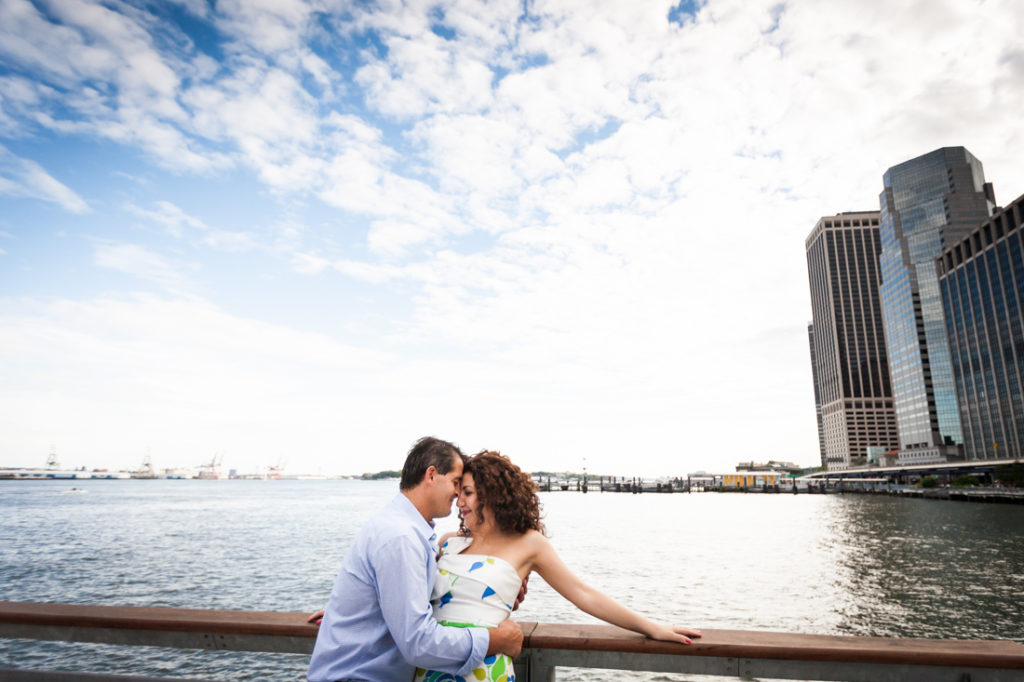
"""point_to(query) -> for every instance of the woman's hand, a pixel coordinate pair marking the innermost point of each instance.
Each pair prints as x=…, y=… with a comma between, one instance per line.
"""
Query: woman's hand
x=673, y=633
x=316, y=617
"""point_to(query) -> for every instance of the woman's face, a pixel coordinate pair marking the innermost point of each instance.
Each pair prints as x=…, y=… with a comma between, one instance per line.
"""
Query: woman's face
x=469, y=507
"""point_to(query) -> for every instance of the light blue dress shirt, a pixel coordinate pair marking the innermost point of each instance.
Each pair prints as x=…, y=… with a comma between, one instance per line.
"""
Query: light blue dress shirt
x=378, y=625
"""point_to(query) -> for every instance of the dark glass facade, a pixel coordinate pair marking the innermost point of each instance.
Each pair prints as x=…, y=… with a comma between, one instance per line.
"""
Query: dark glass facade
x=927, y=203
x=852, y=386
x=982, y=283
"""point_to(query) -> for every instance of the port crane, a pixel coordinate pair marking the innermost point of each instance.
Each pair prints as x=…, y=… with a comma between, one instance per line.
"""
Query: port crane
x=274, y=471
x=212, y=468
x=146, y=470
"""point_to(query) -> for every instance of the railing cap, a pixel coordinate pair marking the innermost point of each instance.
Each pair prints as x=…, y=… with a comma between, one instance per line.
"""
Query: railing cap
x=718, y=643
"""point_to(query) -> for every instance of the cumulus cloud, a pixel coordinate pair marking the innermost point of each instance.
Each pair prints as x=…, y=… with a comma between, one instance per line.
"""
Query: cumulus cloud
x=72, y=46
x=572, y=199
x=267, y=26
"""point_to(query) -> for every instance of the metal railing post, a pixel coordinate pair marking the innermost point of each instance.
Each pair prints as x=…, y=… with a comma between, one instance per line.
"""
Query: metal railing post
x=539, y=669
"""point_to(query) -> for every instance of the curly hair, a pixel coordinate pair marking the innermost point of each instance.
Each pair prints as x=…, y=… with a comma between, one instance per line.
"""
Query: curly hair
x=506, y=491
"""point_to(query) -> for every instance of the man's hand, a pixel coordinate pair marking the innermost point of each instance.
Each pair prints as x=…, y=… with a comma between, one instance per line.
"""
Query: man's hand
x=316, y=617
x=522, y=594
x=507, y=638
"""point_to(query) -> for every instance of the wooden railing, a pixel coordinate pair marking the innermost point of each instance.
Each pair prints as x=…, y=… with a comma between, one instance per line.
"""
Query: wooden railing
x=730, y=653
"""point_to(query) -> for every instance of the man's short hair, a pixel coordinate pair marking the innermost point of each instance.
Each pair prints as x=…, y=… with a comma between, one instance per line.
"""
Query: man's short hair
x=428, y=452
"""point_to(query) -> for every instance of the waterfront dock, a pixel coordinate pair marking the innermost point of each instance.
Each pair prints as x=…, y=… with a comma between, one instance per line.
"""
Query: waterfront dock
x=872, y=486
x=547, y=646
x=987, y=495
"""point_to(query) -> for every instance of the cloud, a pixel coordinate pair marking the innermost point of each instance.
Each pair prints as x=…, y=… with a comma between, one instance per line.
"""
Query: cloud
x=367, y=272
x=19, y=98
x=21, y=177
x=31, y=40
x=137, y=261
x=423, y=74
x=236, y=242
x=179, y=224
x=309, y=264
x=104, y=75
x=580, y=216
x=169, y=216
x=264, y=110
x=267, y=26
x=177, y=373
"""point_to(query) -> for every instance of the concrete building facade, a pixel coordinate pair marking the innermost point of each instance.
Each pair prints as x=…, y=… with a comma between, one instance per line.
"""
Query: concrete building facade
x=852, y=385
x=817, y=397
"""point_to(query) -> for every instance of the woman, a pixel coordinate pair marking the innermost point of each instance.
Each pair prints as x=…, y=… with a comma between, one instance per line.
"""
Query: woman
x=500, y=542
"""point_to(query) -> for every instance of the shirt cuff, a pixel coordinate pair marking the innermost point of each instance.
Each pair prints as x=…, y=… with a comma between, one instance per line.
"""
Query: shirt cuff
x=481, y=640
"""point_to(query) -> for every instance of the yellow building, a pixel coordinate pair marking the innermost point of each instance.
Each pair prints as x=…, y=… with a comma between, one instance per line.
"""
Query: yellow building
x=753, y=479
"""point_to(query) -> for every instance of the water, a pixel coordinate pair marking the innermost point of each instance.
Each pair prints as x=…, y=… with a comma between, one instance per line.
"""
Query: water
x=823, y=564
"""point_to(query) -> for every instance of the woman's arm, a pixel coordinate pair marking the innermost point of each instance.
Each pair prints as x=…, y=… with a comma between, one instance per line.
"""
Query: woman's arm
x=554, y=571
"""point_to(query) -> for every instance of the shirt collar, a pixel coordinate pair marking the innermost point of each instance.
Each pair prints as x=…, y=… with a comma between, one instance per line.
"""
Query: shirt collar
x=423, y=527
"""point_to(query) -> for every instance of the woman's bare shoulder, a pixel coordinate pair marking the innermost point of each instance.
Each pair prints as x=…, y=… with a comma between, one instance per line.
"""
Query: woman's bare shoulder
x=535, y=539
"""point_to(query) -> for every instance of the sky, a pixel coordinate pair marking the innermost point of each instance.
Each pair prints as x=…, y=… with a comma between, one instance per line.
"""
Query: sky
x=571, y=230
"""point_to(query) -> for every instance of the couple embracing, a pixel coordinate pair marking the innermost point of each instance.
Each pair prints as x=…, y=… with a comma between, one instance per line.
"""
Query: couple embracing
x=406, y=606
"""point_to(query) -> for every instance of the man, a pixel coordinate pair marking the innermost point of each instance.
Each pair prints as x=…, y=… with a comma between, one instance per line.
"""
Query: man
x=378, y=625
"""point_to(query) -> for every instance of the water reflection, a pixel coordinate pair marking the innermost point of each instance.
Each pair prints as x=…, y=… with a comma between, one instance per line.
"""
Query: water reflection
x=915, y=568
x=837, y=564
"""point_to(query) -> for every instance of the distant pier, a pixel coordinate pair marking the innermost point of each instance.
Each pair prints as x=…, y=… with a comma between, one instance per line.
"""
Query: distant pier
x=636, y=486
x=612, y=485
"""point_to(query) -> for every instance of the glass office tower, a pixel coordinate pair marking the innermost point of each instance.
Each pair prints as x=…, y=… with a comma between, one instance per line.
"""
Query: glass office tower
x=850, y=371
x=927, y=204
x=982, y=282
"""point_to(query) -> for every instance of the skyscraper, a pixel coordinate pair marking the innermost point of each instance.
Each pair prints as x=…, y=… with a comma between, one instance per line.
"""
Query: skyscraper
x=982, y=283
x=817, y=397
x=850, y=370
x=927, y=203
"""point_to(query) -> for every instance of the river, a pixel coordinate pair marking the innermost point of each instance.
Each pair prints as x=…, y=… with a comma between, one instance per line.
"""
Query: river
x=822, y=564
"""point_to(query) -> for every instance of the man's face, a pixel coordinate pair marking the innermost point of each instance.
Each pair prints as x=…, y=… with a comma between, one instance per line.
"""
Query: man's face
x=447, y=489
